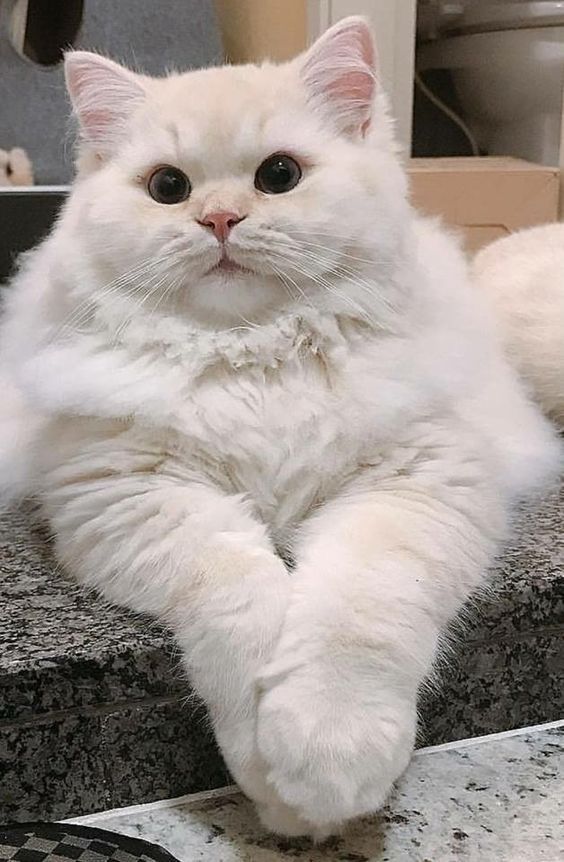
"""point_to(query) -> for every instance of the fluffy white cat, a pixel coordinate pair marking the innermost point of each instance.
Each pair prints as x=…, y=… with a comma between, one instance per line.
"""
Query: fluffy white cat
x=522, y=277
x=241, y=347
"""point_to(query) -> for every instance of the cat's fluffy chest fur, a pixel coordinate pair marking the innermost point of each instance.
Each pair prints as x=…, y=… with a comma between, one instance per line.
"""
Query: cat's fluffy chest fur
x=287, y=435
x=280, y=414
x=277, y=434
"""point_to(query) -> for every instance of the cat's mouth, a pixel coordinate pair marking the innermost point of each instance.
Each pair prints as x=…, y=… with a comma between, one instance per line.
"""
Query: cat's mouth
x=228, y=266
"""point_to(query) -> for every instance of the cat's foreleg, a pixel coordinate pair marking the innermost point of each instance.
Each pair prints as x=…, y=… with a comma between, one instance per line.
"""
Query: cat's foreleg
x=193, y=556
x=379, y=572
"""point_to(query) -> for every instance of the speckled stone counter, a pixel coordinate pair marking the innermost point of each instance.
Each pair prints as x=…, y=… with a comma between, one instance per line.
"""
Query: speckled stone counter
x=93, y=707
x=489, y=800
x=504, y=665
x=93, y=710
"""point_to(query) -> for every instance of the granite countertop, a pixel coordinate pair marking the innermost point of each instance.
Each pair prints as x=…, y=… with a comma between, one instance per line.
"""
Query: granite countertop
x=94, y=710
x=62, y=647
x=494, y=799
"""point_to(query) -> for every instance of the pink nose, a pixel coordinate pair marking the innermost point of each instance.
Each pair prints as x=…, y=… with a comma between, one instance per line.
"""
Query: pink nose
x=221, y=223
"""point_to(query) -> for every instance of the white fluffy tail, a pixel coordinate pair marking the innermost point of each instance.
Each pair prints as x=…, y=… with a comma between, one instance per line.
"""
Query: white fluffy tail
x=522, y=277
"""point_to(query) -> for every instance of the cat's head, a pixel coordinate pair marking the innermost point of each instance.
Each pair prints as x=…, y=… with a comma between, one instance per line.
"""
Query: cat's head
x=235, y=190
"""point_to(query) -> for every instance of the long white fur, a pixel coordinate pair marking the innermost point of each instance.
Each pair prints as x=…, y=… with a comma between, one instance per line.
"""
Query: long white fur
x=522, y=277
x=346, y=407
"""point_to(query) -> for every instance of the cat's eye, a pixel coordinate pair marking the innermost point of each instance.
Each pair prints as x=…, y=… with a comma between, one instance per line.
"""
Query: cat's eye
x=168, y=185
x=278, y=174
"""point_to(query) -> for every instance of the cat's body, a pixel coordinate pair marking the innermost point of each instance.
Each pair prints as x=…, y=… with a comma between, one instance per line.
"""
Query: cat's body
x=522, y=277
x=344, y=405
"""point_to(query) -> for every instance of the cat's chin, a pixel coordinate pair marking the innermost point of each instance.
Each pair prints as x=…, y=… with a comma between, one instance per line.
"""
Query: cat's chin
x=223, y=297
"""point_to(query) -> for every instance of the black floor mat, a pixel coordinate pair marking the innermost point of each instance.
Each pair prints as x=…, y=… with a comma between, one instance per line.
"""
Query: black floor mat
x=59, y=842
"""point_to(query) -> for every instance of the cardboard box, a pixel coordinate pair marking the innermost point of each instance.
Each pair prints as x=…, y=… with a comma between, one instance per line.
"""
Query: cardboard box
x=486, y=197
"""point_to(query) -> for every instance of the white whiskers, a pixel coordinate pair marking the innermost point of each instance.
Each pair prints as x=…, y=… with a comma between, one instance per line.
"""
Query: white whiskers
x=321, y=265
x=144, y=280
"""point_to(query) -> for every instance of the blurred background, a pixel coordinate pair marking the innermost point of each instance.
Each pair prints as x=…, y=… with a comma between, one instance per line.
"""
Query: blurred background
x=466, y=79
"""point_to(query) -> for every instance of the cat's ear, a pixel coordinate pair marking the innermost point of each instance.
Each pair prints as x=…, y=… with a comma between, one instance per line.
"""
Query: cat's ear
x=339, y=72
x=103, y=95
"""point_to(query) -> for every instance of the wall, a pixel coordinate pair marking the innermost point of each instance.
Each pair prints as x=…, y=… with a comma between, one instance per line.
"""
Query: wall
x=393, y=22
x=279, y=29
x=148, y=35
x=262, y=29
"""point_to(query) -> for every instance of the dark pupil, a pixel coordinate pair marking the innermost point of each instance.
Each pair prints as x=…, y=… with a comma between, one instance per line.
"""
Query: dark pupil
x=169, y=186
x=278, y=174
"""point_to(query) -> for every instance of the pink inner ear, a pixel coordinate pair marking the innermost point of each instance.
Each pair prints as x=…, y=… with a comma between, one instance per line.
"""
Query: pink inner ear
x=361, y=36
x=103, y=94
x=340, y=68
x=82, y=84
x=352, y=86
x=97, y=121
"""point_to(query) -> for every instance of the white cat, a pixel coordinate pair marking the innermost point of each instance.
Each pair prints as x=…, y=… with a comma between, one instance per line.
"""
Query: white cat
x=522, y=276
x=240, y=345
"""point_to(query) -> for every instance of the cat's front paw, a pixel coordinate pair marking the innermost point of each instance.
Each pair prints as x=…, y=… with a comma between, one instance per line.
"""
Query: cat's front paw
x=333, y=753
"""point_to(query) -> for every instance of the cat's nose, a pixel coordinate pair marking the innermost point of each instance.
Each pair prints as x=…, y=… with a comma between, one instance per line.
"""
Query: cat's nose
x=221, y=223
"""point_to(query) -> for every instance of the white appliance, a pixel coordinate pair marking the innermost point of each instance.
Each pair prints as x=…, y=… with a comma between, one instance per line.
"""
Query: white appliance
x=507, y=62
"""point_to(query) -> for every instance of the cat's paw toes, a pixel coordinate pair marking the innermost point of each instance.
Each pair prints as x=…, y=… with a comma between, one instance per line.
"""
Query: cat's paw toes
x=333, y=756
